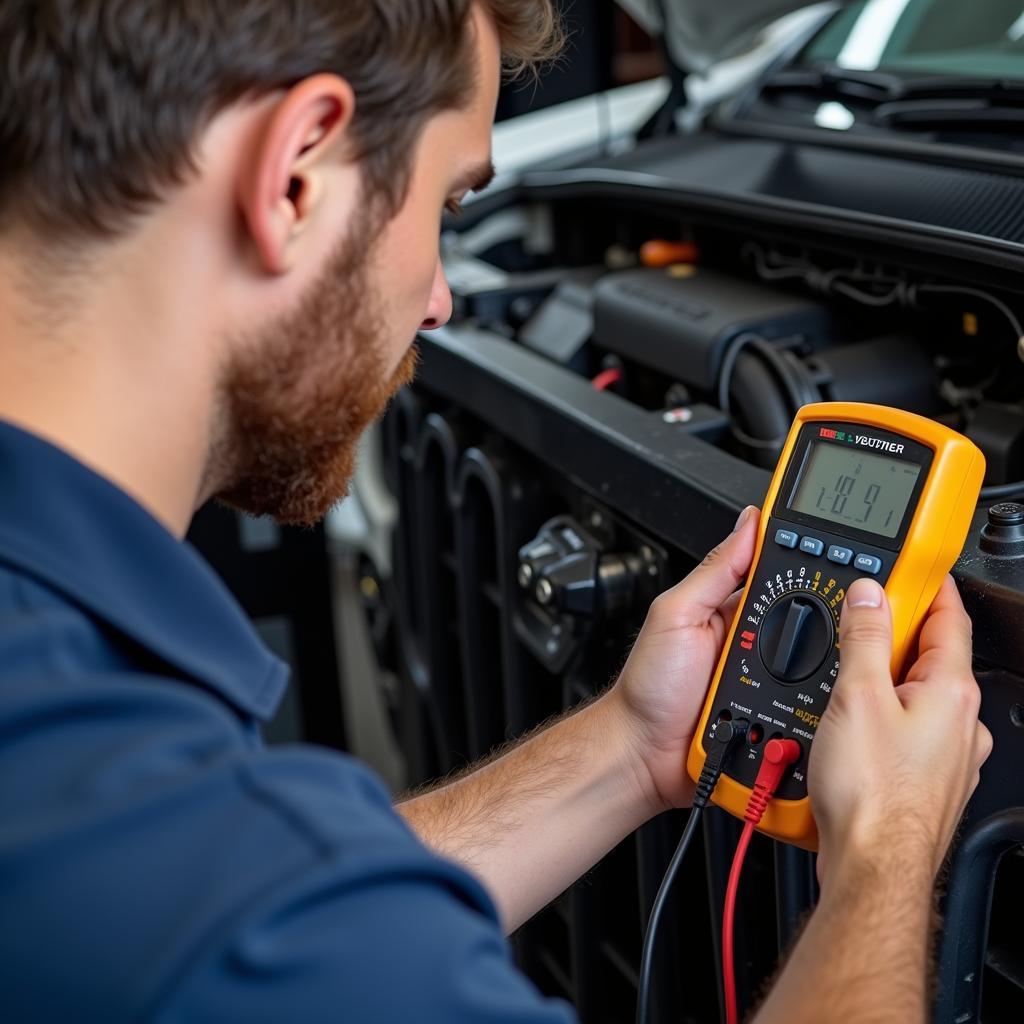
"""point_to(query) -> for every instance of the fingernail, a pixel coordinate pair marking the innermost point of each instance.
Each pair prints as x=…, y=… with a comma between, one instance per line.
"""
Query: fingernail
x=864, y=594
x=744, y=516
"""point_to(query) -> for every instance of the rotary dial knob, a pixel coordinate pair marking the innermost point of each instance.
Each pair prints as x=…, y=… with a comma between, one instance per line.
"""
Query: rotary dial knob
x=796, y=637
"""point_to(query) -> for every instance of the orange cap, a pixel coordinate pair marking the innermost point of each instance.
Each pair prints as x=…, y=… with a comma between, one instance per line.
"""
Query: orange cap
x=660, y=253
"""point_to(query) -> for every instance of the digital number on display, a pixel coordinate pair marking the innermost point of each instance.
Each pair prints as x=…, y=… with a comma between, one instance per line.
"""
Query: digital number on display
x=856, y=488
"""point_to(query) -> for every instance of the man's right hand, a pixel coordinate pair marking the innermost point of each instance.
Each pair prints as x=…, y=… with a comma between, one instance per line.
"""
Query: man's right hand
x=892, y=768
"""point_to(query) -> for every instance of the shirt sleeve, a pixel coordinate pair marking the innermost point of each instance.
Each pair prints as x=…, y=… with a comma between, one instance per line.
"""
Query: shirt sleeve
x=378, y=933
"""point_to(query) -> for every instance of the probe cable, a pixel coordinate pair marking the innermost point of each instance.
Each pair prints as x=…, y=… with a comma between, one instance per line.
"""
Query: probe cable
x=725, y=737
x=779, y=754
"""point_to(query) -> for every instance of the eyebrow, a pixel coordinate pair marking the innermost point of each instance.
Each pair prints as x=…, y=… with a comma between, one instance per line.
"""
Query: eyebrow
x=476, y=178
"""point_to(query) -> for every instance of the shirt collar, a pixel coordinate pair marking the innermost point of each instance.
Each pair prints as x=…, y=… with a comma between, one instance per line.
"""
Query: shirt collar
x=75, y=531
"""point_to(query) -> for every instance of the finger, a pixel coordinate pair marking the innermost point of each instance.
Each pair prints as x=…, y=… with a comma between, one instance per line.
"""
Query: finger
x=728, y=609
x=701, y=594
x=865, y=639
x=721, y=622
x=946, y=635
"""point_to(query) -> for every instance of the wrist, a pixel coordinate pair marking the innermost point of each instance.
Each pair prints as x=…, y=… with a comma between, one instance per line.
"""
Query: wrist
x=630, y=737
x=898, y=847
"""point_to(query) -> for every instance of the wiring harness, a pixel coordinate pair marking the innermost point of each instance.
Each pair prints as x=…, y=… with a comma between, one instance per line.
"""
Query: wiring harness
x=870, y=289
x=877, y=290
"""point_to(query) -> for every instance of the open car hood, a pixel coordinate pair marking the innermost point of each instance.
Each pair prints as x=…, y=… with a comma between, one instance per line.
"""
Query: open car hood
x=699, y=33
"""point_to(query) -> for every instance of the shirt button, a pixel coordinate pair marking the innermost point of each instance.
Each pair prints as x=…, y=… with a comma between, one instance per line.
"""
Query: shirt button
x=812, y=546
x=868, y=563
x=786, y=538
x=841, y=556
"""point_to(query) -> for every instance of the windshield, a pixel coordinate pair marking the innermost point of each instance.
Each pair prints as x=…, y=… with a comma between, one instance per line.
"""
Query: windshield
x=979, y=38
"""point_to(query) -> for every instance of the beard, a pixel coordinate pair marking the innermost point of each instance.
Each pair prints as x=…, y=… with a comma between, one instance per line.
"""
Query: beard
x=302, y=390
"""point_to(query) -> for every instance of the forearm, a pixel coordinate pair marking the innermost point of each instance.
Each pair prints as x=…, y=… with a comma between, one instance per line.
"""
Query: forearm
x=864, y=956
x=532, y=821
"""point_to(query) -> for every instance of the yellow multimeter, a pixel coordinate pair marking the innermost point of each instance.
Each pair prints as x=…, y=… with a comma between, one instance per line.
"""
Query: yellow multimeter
x=860, y=490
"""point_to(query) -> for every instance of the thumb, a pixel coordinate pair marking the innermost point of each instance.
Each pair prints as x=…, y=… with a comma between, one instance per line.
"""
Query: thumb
x=865, y=637
x=721, y=572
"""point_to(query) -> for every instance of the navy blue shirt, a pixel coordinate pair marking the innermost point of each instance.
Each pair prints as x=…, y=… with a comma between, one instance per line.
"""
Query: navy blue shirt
x=156, y=861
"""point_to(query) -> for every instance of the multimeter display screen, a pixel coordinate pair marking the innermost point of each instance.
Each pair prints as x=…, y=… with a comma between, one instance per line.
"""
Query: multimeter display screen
x=855, y=488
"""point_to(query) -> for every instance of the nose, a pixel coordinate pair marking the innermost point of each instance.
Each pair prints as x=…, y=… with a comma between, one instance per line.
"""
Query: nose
x=439, y=309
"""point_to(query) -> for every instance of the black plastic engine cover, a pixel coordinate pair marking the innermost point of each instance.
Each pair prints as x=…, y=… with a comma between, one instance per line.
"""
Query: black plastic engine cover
x=681, y=326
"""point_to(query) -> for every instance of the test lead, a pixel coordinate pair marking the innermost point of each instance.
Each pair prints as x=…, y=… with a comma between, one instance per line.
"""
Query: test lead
x=726, y=736
x=779, y=755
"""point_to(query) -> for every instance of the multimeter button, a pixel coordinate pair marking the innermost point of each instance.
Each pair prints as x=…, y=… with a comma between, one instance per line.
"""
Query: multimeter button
x=812, y=545
x=787, y=538
x=839, y=555
x=868, y=563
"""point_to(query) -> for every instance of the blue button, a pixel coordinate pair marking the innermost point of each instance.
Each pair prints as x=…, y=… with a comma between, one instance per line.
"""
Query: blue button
x=840, y=555
x=868, y=563
x=787, y=538
x=812, y=545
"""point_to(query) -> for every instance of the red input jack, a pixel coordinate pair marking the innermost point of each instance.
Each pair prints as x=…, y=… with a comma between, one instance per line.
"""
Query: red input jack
x=778, y=755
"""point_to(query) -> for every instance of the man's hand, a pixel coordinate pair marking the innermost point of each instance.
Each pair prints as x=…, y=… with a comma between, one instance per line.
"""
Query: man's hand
x=664, y=683
x=893, y=767
x=891, y=770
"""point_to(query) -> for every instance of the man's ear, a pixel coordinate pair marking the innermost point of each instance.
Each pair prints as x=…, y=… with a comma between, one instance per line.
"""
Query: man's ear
x=282, y=185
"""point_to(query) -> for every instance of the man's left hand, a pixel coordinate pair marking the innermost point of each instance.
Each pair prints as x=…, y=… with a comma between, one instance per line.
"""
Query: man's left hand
x=663, y=685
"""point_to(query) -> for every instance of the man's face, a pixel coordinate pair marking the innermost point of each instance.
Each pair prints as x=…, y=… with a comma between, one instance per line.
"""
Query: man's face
x=298, y=394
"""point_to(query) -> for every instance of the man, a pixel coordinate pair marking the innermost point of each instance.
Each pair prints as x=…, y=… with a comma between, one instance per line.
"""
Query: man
x=218, y=236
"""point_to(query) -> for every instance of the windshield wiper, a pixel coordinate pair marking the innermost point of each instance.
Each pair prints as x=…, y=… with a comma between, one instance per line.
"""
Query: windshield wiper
x=979, y=115
x=996, y=90
x=836, y=82
x=884, y=87
x=924, y=103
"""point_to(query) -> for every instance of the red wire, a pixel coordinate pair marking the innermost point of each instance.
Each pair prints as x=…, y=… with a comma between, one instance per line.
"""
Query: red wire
x=606, y=378
x=728, y=919
x=778, y=755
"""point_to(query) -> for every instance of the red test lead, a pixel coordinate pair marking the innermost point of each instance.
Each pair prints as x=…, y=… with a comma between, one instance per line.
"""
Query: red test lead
x=778, y=755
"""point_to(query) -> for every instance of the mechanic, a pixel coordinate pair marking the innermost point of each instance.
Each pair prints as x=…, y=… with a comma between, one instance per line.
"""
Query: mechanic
x=218, y=236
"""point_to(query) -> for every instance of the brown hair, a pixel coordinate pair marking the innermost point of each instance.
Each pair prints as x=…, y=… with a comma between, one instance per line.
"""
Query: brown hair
x=102, y=101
